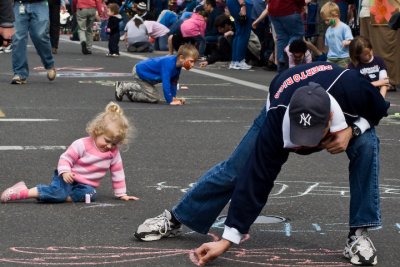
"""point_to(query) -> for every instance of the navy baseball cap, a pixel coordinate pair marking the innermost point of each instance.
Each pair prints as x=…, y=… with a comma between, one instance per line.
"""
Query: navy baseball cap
x=394, y=22
x=309, y=113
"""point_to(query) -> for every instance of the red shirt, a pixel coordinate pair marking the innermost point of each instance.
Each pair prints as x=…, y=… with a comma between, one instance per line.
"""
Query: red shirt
x=277, y=8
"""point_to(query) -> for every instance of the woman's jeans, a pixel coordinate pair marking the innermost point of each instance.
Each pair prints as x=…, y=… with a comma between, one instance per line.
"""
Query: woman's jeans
x=58, y=191
x=35, y=21
x=201, y=205
x=287, y=28
x=242, y=33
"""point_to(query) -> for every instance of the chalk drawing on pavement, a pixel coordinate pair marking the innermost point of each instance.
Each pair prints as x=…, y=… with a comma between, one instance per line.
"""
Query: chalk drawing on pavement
x=295, y=189
x=109, y=255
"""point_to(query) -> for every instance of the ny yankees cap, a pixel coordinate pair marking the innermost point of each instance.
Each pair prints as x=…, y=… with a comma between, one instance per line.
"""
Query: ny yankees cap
x=309, y=113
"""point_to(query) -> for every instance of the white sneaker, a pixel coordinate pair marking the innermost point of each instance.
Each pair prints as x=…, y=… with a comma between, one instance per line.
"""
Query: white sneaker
x=360, y=250
x=119, y=91
x=233, y=65
x=158, y=227
x=8, y=49
x=243, y=65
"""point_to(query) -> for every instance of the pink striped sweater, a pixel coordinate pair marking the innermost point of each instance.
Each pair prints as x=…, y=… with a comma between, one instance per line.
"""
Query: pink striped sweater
x=90, y=165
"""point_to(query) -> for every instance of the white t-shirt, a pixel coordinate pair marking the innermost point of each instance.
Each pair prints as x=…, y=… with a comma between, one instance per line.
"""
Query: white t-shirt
x=136, y=34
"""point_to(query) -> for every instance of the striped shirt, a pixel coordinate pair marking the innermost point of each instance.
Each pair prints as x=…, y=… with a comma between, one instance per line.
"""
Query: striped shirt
x=90, y=165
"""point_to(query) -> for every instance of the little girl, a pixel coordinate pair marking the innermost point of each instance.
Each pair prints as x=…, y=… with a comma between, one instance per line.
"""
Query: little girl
x=372, y=67
x=86, y=161
x=113, y=30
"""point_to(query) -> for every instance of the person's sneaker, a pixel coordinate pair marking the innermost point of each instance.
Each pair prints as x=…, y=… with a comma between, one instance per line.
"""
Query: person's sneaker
x=51, y=74
x=158, y=227
x=18, y=80
x=115, y=55
x=242, y=65
x=119, y=91
x=54, y=50
x=108, y=55
x=233, y=65
x=360, y=250
x=85, y=50
x=13, y=192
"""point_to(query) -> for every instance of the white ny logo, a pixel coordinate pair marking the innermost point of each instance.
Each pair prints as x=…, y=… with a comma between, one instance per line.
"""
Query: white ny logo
x=305, y=119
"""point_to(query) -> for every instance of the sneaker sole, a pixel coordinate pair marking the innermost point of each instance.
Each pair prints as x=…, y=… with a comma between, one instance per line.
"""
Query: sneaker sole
x=155, y=237
x=18, y=82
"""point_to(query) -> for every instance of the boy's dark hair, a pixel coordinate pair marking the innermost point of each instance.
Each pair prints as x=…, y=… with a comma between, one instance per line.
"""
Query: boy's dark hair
x=213, y=3
x=298, y=46
x=114, y=8
x=222, y=20
x=356, y=47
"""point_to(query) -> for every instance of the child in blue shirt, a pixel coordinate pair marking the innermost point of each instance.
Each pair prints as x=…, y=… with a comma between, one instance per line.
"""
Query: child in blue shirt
x=338, y=35
x=149, y=72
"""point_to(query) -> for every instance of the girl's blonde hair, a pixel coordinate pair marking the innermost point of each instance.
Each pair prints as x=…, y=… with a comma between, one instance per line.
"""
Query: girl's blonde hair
x=356, y=47
x=330, y=10
x=113, y=114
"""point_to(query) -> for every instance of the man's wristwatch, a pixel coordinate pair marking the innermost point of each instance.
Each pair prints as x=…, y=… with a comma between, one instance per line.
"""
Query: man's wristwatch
x=355, y=130
x=242, y=4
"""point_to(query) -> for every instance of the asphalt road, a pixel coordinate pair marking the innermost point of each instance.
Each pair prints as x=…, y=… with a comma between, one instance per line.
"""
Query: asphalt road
x=172, y=147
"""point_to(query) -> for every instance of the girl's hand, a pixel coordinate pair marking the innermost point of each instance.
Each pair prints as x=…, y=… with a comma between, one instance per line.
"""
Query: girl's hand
x=127, y=198
x=68, y=177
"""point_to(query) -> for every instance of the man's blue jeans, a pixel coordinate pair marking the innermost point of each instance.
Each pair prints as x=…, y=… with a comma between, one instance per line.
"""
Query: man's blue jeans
x=34, y=21
x=202, y=204
x=287, y=28
x=363, y=152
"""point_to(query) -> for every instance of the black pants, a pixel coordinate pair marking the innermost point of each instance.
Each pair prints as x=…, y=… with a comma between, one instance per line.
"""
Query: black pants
x=113, y=43
x=54, y=16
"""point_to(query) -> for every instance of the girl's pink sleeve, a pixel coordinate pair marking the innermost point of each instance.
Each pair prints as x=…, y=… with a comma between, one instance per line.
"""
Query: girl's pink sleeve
x=203, y=28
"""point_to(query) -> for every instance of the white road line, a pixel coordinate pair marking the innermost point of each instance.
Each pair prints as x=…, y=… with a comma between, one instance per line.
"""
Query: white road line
x=26, y=119
x=8, y=148
x=202, y=72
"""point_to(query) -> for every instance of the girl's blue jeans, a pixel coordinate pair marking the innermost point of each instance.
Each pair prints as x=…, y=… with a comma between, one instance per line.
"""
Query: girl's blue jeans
x=58, y=191
x=201, y=205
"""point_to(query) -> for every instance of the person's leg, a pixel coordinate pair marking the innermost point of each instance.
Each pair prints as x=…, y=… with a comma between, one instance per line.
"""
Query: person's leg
x=90, y=19
x=234, y=9
x=363, y=152
x=20, y=42
x=243, y=35
x=79, y=191
x=39, y=34
x=54, y=17
x=365, y=212
x=163, y=43
x=343, y=8
x=202, y=204
x=56, y=192
x=81, y=21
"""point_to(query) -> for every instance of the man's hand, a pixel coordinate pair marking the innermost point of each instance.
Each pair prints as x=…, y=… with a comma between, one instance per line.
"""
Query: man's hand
x=338, y=142
x=126, y=198
x=68, y=177
x=212, y=250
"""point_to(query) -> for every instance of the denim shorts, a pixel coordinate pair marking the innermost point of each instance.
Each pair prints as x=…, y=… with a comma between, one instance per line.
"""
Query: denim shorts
x=58, y=191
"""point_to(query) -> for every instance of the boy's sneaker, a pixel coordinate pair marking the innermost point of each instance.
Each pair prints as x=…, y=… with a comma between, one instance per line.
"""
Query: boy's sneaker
x=51, y=74
x=108, y=55
x=13, y=192
x=360, y=250
x=18, y=80
x=119, y=91
x=115, y=55
x=158, y=227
